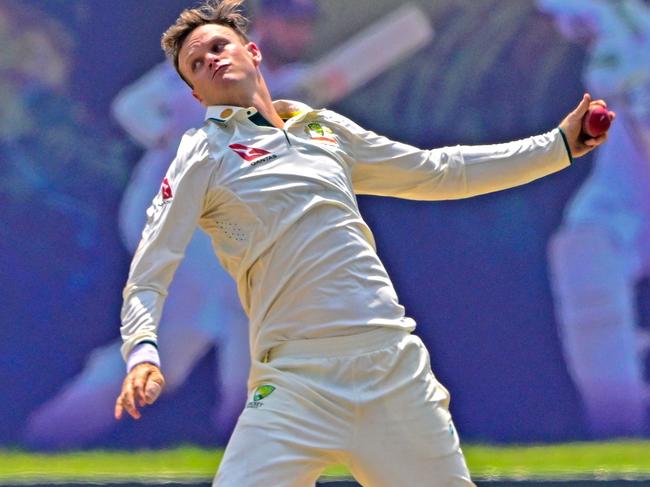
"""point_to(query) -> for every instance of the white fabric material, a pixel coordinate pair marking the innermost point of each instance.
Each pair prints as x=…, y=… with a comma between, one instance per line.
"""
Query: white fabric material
x=369, y=402
x=280, y=207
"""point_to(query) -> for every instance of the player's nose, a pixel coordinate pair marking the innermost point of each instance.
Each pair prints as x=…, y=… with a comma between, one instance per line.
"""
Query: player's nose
x=213, y=59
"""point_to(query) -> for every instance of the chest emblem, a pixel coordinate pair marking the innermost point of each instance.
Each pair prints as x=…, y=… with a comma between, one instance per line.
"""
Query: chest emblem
x=320, y=133
x=252, y=154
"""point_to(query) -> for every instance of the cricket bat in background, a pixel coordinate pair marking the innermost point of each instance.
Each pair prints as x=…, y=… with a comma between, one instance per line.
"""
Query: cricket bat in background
x=367, y=54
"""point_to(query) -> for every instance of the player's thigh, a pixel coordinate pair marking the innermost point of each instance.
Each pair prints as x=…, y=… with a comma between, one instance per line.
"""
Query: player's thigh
x=421, y=449
x=446, y=471
x=266, y=455
x=286, y=435
x=406, y=435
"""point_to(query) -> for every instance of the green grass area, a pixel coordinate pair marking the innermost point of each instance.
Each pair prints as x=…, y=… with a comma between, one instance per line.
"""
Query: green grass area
x=592, y=460
x=614, y=459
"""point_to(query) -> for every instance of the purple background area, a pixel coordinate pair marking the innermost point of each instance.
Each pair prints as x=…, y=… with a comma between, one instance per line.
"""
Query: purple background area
x=472, y=273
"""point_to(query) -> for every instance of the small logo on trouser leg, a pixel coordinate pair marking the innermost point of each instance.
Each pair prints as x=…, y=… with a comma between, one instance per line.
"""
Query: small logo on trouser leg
x=260, y=393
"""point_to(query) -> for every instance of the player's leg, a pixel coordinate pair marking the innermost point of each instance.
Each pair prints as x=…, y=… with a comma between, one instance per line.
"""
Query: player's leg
x=593, y=284
x=286, y=435
x=265, y=455
x=405, y=436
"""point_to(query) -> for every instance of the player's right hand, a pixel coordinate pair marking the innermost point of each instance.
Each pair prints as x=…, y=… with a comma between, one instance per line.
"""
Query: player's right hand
x=141, y=387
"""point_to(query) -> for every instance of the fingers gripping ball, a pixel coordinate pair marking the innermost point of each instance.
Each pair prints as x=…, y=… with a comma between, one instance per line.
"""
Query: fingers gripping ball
x=596, y=121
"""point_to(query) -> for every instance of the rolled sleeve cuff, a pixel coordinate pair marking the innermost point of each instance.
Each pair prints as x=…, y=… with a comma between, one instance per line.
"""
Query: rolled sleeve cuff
x=143, y=353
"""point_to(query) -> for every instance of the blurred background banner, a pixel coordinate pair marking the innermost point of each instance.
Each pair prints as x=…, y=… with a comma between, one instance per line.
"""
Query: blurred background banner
x=534, y=302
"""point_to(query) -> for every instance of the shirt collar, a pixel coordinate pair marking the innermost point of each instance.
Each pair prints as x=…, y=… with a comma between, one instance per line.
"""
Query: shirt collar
x=287, y=109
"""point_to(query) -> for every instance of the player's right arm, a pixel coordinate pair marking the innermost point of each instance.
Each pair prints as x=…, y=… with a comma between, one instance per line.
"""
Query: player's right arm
x=171, y=221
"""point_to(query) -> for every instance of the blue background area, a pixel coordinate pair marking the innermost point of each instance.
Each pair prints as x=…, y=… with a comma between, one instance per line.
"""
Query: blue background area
x=472, y=273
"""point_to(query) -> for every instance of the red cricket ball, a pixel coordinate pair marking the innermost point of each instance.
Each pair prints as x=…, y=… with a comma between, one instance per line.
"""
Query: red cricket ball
x=596, y=121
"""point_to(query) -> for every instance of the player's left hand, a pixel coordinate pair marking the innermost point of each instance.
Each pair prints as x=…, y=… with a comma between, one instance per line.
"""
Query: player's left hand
x=572, y=127
x=141, y=387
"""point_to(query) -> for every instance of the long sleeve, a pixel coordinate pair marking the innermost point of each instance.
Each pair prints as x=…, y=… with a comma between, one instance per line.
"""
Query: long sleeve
x=383, y=167
x=171, y=221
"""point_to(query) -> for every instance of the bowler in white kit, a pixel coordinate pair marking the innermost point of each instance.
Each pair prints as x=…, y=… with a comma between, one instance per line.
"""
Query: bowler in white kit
x=336, y=377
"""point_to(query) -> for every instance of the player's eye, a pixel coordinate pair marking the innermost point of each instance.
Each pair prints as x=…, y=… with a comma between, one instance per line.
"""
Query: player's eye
x=217, y=46
x=196, y=65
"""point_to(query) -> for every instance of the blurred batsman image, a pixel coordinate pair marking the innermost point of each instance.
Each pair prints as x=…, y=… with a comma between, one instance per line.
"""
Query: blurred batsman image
x=336, y=375
x=202, y=311
x=59, y=173
x=602, y=249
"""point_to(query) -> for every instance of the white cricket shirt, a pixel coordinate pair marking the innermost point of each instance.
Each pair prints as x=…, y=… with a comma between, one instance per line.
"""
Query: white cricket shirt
x=280, y=208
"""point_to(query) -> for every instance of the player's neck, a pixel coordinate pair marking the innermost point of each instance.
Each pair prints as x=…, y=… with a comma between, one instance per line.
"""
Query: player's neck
x=264, y=104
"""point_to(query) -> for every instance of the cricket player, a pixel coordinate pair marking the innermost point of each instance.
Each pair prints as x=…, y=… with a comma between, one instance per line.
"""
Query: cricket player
x=602, y=249
x=336, y=374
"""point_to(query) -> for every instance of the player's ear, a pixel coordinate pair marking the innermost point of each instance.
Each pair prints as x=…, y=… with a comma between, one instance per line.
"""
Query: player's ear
x=255, y=52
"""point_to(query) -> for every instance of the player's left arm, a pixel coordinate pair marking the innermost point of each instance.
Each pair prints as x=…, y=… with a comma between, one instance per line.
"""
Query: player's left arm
x=384, y=167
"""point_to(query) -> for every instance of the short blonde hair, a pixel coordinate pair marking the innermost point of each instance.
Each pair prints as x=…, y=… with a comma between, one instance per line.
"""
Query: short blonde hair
x=222, y=12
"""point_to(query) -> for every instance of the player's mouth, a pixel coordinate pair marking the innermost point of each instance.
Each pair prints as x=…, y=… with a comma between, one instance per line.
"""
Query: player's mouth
x=220, y=68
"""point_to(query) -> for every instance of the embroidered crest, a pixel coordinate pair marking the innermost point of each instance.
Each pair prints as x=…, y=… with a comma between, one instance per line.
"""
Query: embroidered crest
x=320, y=133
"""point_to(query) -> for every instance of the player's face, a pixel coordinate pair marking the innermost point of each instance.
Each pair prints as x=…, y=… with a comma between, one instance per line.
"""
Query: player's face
x=221, y=67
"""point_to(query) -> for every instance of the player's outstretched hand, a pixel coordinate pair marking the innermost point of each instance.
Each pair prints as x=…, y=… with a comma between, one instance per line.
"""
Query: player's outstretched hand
x=579, y=143
x=141, y=387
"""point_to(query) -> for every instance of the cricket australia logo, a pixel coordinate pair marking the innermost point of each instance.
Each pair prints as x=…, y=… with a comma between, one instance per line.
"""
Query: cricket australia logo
x=253, y=155
x=320, y=133
x=260, y=393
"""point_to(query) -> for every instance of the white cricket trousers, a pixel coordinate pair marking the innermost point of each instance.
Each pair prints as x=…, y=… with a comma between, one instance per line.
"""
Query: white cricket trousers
x=368, y=401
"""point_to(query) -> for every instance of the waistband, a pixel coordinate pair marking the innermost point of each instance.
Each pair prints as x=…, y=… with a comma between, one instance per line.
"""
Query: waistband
x=339, y=346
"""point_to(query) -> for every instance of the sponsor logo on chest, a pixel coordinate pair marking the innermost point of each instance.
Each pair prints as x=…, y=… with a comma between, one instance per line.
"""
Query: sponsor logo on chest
x=252, y=155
